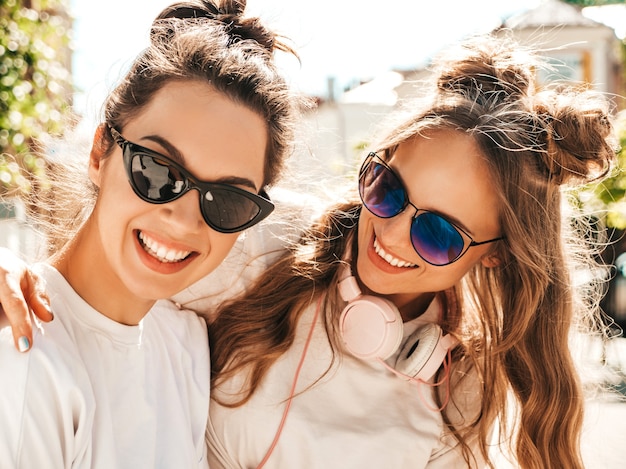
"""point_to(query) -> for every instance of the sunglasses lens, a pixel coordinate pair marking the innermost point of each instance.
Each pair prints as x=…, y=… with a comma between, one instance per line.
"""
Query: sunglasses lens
x=224, y=208
x=228, y=210
x=381, y=191
x=155, y=179
x=435, y=239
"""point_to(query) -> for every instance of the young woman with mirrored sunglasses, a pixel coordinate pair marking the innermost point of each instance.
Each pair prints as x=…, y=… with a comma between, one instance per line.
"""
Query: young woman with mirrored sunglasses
x=458, y=242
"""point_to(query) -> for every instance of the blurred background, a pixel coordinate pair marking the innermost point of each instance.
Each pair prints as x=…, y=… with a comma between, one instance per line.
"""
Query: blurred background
x=360, y=59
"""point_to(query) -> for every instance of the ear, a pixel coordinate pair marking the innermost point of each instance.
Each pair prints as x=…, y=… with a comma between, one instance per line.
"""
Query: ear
x=490, y=260
x=98, y=151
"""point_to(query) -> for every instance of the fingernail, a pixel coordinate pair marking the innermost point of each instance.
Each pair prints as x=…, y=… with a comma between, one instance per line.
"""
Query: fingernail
x=46, y=305
x=23, y=344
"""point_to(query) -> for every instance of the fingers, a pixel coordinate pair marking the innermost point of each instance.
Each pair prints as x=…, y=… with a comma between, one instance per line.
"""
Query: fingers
x=15, y=310
x=17, y=285
x=37, y=297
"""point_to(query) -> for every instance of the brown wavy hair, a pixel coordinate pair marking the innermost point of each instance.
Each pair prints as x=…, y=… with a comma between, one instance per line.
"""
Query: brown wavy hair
x=514, y=320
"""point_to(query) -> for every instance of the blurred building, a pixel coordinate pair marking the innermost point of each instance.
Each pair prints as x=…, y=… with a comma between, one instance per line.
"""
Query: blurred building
x=578, y=48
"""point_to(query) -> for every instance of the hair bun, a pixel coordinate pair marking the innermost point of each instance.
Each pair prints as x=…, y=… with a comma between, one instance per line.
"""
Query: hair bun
x=189, y=10
x=573, y=127
x=487, y=70
x=577, y=134
x=193, y=9
x=229, y=13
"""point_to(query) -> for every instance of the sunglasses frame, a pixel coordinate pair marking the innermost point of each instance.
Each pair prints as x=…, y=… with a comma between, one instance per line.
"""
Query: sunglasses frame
x=130, y=150
x=468, y=241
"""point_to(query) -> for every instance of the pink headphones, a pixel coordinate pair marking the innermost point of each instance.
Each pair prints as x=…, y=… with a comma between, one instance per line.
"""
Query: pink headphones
x=372, y=329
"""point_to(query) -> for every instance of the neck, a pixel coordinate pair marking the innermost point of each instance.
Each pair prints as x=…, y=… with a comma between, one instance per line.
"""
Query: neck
x=414, y=307
x=85, y=267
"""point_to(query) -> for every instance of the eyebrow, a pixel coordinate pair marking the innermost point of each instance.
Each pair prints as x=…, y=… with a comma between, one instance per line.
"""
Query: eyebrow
x=176, y=155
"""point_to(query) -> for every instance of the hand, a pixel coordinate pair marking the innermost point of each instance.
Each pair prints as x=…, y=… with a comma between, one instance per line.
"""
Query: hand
x=21, y=291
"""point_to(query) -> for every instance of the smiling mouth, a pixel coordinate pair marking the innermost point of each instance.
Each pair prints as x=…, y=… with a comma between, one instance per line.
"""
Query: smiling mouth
x=394, y=261
x=160, y=252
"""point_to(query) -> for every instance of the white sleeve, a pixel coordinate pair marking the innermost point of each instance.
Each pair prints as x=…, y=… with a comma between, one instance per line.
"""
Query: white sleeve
x=45, y=417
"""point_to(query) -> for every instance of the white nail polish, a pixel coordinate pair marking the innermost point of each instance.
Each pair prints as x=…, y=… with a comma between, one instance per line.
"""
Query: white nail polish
x=23, y=344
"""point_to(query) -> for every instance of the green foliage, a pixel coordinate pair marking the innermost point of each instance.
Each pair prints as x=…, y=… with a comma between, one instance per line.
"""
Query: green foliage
x=594, y=3
x=609, y=195
x=34, y=83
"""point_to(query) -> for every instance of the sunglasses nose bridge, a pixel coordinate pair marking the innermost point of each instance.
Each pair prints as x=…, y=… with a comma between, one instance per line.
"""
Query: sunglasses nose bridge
x=204, y=196
x=202, y=193
x=410, y=210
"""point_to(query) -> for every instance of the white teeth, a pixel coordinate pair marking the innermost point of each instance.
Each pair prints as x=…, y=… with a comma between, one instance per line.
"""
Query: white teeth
x=389, y=258
x=161, y=252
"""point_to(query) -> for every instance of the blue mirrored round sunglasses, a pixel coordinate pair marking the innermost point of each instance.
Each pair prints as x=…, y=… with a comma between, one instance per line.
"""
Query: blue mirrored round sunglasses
x=435, y=239
x=157, y=179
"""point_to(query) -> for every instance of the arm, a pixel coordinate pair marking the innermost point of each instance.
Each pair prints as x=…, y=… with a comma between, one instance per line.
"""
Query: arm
x=21, y=291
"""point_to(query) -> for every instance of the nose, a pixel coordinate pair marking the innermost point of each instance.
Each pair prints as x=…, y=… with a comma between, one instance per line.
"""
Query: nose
x=183, y=214
x=395, y=231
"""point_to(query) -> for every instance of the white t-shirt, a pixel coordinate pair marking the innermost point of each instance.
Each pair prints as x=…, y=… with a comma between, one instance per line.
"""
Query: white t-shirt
x=359, y=415
x=93, y=393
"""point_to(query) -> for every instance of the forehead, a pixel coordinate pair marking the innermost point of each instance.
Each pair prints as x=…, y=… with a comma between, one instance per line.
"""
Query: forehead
x=215, y=136
x=444, y=171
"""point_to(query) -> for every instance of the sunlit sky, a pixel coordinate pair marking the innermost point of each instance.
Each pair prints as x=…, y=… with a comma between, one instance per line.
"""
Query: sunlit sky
x=350, y=40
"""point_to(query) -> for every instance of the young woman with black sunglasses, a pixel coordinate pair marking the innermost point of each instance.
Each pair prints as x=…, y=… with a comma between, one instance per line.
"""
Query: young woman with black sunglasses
x=190, y=139
x=411, y=326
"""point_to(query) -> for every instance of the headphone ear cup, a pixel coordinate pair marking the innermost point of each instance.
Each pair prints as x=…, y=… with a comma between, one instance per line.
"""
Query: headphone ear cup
x=371, y=327
x=422, y=353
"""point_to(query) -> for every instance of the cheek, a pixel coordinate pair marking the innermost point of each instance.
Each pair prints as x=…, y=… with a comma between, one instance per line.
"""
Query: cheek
x=366, y=222
x=364, y=230
x=116, y=195
x=223, y=243
x=457, y=270
x=116, y=204
x=112, y=180
x=220, y=245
